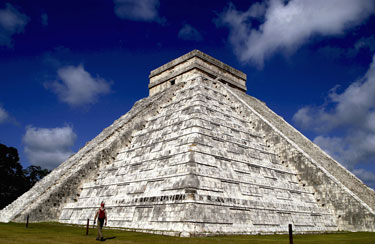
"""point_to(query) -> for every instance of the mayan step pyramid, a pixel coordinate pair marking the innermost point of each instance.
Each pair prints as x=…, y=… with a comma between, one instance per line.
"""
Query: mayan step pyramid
x=201, y=157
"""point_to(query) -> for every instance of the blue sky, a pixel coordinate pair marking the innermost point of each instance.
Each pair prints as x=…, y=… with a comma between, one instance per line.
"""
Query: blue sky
x=68, y=69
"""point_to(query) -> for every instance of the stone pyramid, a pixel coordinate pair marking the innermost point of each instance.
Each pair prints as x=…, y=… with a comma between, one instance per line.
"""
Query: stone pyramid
x=201, y=157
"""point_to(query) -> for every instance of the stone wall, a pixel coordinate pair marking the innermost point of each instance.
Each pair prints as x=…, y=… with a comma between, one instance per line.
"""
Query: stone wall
x=334, y=186
x=200, y=157
x=44, y=201
x=161, y=77
x=200, y=166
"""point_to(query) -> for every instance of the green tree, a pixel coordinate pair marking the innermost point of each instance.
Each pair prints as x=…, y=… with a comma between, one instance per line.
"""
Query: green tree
x=34, y=174
x=14, y=180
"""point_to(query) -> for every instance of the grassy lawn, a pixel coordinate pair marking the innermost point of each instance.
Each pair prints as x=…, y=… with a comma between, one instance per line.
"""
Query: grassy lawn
x=57, y=233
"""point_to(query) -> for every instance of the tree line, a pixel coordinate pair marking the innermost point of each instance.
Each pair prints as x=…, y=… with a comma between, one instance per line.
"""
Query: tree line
x=14, y=179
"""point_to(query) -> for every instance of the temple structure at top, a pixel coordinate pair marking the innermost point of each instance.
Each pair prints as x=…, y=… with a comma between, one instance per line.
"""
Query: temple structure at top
x=180, y=69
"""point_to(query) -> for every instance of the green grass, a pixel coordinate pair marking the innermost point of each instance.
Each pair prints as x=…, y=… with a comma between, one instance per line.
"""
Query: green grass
x=42, y=233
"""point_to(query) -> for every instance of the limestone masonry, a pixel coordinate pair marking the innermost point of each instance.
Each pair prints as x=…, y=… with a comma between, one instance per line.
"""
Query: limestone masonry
x=201, y=157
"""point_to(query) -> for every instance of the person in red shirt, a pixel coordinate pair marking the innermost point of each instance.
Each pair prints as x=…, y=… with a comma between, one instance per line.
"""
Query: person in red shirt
x=101, y=214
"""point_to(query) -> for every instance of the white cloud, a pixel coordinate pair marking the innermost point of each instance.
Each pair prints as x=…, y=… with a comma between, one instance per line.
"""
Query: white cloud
x=11, y=22
x=48, y=147
x=346, y=122
x=365, y=176
x=189, y=33
x=286, y=25
x=44, y=19
x=77, y=87
x=4, y=116
x=350, y=149
x=138, y=10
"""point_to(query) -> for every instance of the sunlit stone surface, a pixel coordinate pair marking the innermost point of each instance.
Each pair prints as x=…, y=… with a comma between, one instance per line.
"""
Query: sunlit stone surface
x=200, y=157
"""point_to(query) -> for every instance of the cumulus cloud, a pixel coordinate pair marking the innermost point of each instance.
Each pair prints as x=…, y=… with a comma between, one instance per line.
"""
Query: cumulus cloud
x=346, y=122
x=365, y=176
x=189, y=33
x=48, y=147
x=77, y=87
x=138, y=10
x=4, y=116
x=278, y=25
x=11, y=22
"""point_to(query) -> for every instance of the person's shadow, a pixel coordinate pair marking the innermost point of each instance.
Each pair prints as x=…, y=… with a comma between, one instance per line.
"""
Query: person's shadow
x=109, y=238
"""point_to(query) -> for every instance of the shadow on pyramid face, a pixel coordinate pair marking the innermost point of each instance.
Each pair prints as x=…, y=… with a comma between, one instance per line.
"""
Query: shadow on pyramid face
x=201, y=157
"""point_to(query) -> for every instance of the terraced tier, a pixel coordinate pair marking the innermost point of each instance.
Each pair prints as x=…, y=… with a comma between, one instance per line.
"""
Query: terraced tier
x=201, y=157
x=199, y=166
